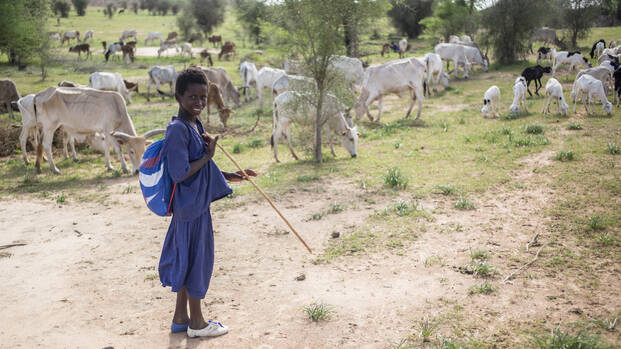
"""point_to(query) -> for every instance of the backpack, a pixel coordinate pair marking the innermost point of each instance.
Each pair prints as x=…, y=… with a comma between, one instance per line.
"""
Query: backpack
x=157, y=187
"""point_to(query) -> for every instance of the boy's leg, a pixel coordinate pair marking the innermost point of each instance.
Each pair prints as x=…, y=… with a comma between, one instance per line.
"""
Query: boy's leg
x=197, y=321
x=181, y=308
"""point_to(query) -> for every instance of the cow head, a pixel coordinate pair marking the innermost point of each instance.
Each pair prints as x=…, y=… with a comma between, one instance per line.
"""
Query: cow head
x=224, y=114
x=444, y=79
x=607, y=108
x=349, y=139
x=135, y=145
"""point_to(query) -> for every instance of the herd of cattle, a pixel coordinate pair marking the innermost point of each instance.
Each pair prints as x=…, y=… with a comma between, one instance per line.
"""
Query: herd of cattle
x=71, y=105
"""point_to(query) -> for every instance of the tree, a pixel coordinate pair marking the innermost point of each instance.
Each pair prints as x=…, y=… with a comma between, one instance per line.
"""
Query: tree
x=61, y=8
x=162, y=7
x=450, y=17
x=109, y=11
x=186, y=24
x=580, y=16
x=509, y=24
x=80, y=6
x=252, y=13
x=208, y=13
x=407, y=14
x=356, y=16
x=135, y=7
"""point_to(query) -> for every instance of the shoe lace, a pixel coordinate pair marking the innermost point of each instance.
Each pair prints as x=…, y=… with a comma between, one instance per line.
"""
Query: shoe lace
x=216, y=323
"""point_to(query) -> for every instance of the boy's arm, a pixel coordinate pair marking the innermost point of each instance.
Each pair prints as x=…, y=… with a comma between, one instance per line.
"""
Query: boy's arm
x=238, y=176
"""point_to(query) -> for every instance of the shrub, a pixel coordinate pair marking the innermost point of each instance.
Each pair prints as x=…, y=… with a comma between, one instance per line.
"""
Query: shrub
x=574, y=126
x=565, y=155
x=533, y=129
x=395, y=179
x=61, y=8
x=463, y=204
x=613, y=149
x=318, y=311
x=80, y=6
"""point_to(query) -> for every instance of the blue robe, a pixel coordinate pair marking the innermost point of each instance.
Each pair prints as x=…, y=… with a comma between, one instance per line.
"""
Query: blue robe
x=188, y=253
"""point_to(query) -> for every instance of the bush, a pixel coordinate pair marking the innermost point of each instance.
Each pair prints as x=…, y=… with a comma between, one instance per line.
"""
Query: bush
x=80, y=6
x=565, y=155
x=395, y=179
x=406, y=15
x=533, y=129
x=61, y=8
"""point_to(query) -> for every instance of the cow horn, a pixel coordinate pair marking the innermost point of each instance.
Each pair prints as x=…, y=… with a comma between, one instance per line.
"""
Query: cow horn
x=122, y=135
x=152, y=133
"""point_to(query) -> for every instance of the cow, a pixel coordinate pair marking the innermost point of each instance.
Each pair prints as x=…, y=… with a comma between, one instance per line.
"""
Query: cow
x=186, y=48
x=129, y=50
x=109, y=82
x=128, y=34
x=71, y=34
x=9, y=95
x=403, y=45
x=349, y=68
x=392, y=77
x=475, y=57
x=435, y=72
x=88, y=35
x=296, y=83
x=266, y=78
x=81, y=48
x=221, y=78
x=55, y=37
x=385, y=49
x=66, y=83
x=227, y=49
x=547, y=36
x=205, y=55
x=455, y=53
x=214, y=98
x=152, y=36
x=248, y=72
x=171, y=36
x=215, y=39
x=293, y=107
x=161, y=74
x=72, y=108
x=166, y=45
x=113, y=49
x=196, y=37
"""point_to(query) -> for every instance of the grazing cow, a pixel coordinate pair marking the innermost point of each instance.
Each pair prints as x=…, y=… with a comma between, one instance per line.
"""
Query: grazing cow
x=81, y=48
x=248, y=72
x=113, y=49
x=598, y=48
x=88, y=35
x=227, y=49
x=129, y=50
x=8, y=95
x=349, y=68
x=519, y=96
x=221, y=78
x=392, y=77
x=554, y=90
x=535, y=73
x=435, y=72
x=128, y=34
x=266, y=78
x=403, y=45
x=574, y=59
x=475, y=57
x=385, y=49
x=547, y=36
x=171, y=36
x=66, y=83
x=196, y=37
x=545, y=53
x=186, y=48
x=55, y=37
x=166, y=45
x=215, y=39
x=161, y=74
x=72, y=108
x=292, y=107
x=590, y=88
x=296, y=83
x=491, y=101
x=214, y=98
x=152, y=36
x=71, y=34
x=109, y=82
x=205, y=55
x=454, y=53
x=131, y=86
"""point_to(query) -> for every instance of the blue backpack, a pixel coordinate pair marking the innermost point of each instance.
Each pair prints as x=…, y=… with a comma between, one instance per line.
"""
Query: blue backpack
x=157, y=187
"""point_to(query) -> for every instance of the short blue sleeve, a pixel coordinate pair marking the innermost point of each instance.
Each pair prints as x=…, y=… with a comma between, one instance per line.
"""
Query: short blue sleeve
x=177, y=156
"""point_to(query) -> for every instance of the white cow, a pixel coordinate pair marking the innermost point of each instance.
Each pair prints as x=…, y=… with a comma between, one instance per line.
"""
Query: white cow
x=265, y=79
x=88, y=35
x=113, y=49
x=152, y=36
x=554, y=90
x=491, y=101
x=454, y=53
x=574, y=59
x=166, y=45
x=55, y=37
x=350, y=69
x=293, y=107
x=109, y=82
x=186, y=48
x=248, y=72
x=403, y=46
x=159, y=75
x=296, y=83
x=72, y=108
x=590, y=87
x=71, y=34
x=395, y=77
x=519, y=96
x=475, y=57
x=129, y=34
x=435, y=72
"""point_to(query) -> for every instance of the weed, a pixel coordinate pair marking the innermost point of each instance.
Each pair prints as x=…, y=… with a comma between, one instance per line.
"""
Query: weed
x=116, y=173
x=478, y=255
x=606, y=324
x=484, y=288
x=459, y=227
x=401, y=208
x=506, y=131
x=565, y=155
x=444, y=126
x=429, y=261
x=446, y=189
x=477, y=268
x=150, y=277
x=462, y=121
x=426, y=328
x=129, y=189
x=464, y=204
x=533, y=129
x=397, y=144
x=596, y=223
x=318, y=311
x=613, y=149
x=395, y=179
x=574, y=126
x=307, y=178
x=336, y=208
x=605, y=239
x=60, y=199
x=317, y=216
x=238, y=148
x=255, y=143
x=558, y=339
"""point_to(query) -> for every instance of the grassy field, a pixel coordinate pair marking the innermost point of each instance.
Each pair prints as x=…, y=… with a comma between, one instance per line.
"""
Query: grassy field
x=451, y=153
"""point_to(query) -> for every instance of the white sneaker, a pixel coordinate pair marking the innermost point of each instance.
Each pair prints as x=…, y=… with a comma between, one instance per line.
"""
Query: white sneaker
x=213, y=329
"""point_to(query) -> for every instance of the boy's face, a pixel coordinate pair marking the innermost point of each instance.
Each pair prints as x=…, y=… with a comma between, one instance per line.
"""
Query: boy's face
x=194, y=99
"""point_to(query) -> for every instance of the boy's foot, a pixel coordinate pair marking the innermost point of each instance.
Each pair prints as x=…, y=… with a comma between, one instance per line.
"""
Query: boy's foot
x=213, y=329
x=176, y=328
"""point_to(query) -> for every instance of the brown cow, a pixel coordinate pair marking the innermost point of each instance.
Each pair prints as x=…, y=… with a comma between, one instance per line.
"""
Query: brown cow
x=227, y=49
x=206, y=55
x=129, y=50
x=385, y=49
x=81, y=48
x=171, y=35
x=214, y=97
x=221, y=78
x=131, y=86
x=215, y=39
x=9, y=96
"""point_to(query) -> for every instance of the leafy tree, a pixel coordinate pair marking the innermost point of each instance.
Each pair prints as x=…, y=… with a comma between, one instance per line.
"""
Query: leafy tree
x=252, y=13
x=80, y=6
x=579, y=15
x=356, y=16
x=110, y=10
x=450, y=17
x=186, y=24
x=61, y=8
x=509, y=24
x=407, y=14
x=122, y=4
x=208, y=13
x=135, y=7
x=162, y=7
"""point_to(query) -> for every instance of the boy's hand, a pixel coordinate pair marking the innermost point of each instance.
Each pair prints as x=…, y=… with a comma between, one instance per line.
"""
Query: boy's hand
x=240, y=176
x=210, y=144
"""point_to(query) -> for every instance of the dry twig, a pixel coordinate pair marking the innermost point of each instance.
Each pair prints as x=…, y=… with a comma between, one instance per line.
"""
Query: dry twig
x=531, y=242
x=523, y=267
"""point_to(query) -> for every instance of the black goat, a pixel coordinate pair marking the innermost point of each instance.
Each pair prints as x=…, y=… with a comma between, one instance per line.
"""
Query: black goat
x=617, y=77
x=535, y=73
x=595, y=46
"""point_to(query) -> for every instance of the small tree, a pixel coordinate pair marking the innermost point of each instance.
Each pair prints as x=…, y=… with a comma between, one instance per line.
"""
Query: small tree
x=450, y=17
x=61, y=8
x=252, y=13
x=162, y=7
x=80, y=6
x=580, y=16
x=110, y=10
x=208, y=13
x=123, y=4
x=407, y=14
x=135, y=7
x=186, y=24
x=356, y=17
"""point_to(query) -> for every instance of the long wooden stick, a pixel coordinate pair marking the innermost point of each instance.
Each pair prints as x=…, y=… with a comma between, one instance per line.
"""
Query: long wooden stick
x=265, y=196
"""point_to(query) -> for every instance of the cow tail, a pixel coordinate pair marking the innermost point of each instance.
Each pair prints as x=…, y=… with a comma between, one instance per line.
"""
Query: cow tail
x=39, y=140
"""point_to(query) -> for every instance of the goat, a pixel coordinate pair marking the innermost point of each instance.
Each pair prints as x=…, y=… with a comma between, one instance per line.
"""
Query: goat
x=590, y=87
x=519, y=96
x=602, y=73
x=491, y=101
x=544, y=53
x=535, y=73
x=574, y=59
x=555, y=90
x=598, y=48
x=617, y=95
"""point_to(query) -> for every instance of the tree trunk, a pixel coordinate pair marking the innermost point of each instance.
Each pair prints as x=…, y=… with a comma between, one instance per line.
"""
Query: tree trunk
x=574, y=38
x=318, y=157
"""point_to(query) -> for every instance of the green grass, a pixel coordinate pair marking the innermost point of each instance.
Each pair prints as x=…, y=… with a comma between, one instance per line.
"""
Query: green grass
x=613, y=149
x=464, y=204
x=318, y=311
x=559, y=339
x=565, y=155
x=533, y=129
x=484, y=288
x=574, y=126
x=446, y=189
x=395, y=179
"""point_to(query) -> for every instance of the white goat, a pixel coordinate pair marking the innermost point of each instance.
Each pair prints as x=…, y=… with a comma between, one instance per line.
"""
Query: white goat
x=554, y=90
x=519, y=96
x=574, y=59
x=602, y=73
x=590, y=87
x=491, y=101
